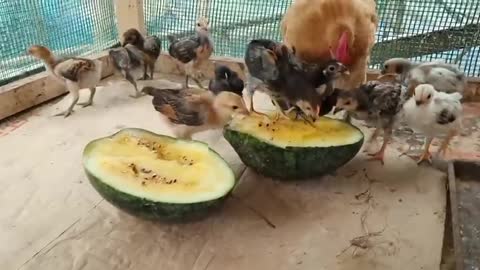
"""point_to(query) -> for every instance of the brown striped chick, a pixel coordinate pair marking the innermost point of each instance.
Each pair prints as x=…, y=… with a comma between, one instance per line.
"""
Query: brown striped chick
x=76, y=73
x=192, y=110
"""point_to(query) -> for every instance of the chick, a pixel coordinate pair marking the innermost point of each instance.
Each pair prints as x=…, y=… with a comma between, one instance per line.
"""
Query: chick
x=273, y=69
x=191, y=110
x=193, y=51
x=150, y=45
x=444, y=77
x=76, y=73
x=434, y=114
x=226, y=80
x=379, y=104
x=131, y=62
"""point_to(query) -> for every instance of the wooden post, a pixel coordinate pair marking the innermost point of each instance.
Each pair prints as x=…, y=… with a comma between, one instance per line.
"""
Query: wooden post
x=130, y=15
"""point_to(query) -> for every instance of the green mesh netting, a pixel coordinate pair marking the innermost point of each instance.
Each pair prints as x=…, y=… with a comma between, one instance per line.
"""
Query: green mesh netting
x=419, y=29
x=68, y=27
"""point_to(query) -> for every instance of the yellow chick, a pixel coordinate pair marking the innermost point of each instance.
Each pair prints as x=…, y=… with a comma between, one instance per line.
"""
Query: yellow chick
x=192, y=110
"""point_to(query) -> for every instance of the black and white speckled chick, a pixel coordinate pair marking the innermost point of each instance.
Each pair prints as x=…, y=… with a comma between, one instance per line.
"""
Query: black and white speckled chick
x=192, y=52
x=226, y=80
x=378, y=103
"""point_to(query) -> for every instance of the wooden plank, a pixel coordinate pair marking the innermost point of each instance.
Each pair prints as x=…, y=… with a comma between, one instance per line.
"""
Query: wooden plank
x=129, y=15
x=457, y=240
x=34, y=90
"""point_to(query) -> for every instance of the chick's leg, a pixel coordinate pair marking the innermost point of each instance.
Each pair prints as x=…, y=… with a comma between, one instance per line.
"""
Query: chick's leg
x=280, y=111
x=426, y=155
x=90, y=99
x=381, y=153
x=372, y=139
x=444, y=146
x=130, y=78
x=74, y=92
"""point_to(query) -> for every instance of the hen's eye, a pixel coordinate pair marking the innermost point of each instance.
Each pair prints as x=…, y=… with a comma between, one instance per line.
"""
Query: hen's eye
x=234, y=107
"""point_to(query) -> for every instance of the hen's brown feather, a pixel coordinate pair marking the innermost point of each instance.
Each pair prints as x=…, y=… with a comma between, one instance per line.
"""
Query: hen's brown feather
x=313, y=26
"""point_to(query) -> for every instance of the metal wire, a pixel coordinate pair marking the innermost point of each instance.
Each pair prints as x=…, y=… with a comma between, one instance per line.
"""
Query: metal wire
x=421, y=30
x=68, y=27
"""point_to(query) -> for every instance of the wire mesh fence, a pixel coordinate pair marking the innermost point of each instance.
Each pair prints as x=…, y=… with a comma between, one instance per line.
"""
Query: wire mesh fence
x=68, y=27
x=421, y=30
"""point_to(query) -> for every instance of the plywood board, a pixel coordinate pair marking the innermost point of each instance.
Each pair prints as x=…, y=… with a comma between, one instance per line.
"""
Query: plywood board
x=52, y=218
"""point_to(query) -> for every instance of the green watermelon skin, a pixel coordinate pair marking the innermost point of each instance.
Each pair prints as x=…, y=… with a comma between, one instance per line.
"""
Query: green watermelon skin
x=146, y=209
x=291, y=163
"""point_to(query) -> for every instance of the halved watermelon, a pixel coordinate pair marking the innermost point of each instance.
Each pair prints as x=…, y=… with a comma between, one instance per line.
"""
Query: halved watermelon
x=287, y=149
x=156, y=176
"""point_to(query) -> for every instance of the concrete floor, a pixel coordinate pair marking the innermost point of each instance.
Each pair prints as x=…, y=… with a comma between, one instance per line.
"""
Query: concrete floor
x=52, y=218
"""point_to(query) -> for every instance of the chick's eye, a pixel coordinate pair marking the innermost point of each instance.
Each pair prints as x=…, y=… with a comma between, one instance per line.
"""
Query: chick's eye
x=429, y=96
x=198, y=24
x=386, y=66
x=309, y=109
x=331, y=68
x=348, y=103
x=234, y=107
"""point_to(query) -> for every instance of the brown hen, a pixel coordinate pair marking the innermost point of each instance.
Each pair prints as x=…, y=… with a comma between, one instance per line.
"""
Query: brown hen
x=313, y=27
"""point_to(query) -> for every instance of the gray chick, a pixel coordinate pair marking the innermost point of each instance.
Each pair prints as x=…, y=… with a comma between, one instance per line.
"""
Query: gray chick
x=193, y=51
x=444, y=77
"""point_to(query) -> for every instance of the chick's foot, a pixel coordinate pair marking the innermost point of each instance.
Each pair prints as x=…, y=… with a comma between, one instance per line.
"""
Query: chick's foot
x=379, y=156
x=426, y=156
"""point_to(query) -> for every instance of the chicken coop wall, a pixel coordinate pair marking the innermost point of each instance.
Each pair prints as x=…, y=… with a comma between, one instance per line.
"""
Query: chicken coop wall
x=416, y=29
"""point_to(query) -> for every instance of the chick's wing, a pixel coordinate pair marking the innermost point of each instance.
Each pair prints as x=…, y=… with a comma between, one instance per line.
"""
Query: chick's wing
x=184, y=50
x=179, y=106
x=386, y=98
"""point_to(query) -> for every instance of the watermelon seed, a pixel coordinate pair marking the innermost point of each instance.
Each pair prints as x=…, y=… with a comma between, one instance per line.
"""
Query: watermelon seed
x=154, y=175
x=175, y=180
x=146, y=171
x=268, y=125
x=143, y=183
x=134, y=168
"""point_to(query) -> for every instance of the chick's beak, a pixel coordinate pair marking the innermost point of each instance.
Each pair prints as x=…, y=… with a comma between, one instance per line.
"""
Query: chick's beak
x=337, y=110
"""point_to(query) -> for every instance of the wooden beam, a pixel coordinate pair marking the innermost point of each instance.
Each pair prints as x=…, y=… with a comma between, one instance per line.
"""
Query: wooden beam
x=130, y=15
x=428, y=43
x=34, y=90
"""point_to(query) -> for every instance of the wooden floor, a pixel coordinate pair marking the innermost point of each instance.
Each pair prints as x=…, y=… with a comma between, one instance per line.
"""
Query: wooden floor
x=52, y=218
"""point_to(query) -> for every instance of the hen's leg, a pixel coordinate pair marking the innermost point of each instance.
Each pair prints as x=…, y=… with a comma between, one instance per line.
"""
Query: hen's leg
x=90, y=99
x=74, y=92
x=426, y=153
x=381, y=153
x=444, y=146
x=129, y=77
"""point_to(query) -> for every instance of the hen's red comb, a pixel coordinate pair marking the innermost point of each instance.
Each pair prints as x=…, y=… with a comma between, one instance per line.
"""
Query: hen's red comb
x=341, y=53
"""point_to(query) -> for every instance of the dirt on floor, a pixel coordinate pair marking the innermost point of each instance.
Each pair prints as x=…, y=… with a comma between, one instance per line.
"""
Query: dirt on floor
x=365, y=216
